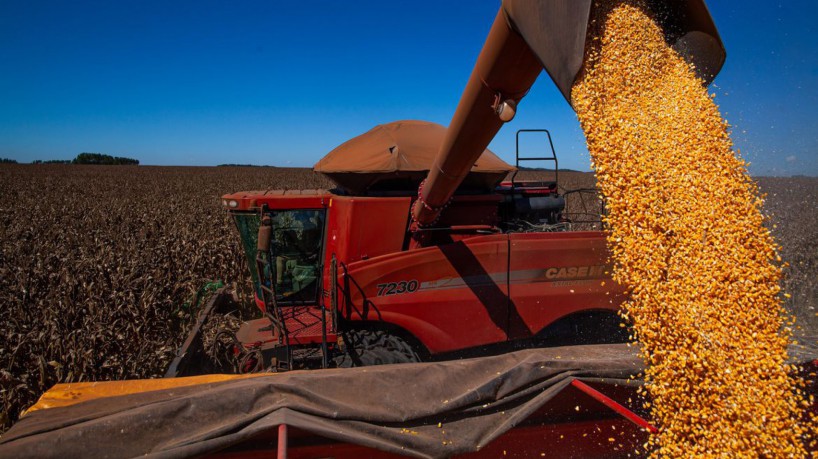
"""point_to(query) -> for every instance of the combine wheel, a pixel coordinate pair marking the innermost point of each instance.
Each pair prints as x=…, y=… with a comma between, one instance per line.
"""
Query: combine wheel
x=374, y=347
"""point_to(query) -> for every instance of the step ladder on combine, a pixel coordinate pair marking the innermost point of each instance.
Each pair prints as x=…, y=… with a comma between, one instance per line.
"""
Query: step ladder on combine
x=291, y=322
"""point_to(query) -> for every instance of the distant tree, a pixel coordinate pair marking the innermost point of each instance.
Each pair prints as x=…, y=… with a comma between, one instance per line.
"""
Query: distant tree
x=99, y=158
x=8, y=161
x=51, y=161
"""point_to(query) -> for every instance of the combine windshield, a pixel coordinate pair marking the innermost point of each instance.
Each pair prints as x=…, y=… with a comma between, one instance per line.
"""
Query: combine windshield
x=295, y=248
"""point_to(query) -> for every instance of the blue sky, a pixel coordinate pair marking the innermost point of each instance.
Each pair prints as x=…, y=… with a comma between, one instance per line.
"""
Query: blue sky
x=282, y=83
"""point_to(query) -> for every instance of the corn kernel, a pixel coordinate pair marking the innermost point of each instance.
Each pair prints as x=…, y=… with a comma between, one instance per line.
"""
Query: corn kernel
x=703, y=291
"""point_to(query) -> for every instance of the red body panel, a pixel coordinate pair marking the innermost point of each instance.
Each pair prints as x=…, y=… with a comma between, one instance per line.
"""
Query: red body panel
x=364, y=227
x=460, y=298
x=463, y=300
x=569, y=440
x=557, y=274
x=277, y=199
x=468, y=289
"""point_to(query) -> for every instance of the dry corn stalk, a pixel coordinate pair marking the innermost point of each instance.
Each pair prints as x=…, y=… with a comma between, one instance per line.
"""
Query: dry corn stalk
x=97, y=263
x=688, y=241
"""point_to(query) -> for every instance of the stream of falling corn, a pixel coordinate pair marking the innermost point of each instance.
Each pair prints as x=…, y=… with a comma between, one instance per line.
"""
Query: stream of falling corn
x=688, y=242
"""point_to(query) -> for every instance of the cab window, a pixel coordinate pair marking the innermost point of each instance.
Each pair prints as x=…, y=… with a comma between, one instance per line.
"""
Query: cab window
x=296, y=250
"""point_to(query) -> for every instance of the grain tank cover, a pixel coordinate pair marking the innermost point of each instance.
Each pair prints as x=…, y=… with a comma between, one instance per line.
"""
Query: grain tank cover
x=397, y=156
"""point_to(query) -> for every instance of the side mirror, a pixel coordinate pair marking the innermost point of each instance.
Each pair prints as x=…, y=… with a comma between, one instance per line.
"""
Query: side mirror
x=265, y=233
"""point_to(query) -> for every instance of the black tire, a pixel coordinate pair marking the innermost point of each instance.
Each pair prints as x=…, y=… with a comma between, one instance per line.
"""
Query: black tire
x=374, y=347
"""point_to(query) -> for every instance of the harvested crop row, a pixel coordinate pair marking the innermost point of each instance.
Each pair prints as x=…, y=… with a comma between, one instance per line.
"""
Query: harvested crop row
x=688, y=241
x=97, y=264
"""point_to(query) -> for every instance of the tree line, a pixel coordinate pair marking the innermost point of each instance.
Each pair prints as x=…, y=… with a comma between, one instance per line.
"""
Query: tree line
x=93, y=158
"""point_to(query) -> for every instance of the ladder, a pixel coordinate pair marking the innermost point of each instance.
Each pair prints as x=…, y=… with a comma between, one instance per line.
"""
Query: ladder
x=518, y=158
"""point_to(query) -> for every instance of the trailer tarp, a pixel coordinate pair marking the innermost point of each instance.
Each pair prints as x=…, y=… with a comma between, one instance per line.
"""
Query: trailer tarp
x=395, y=408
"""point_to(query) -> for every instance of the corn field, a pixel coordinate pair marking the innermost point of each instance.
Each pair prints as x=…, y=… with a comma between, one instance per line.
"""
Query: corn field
x=98, y=264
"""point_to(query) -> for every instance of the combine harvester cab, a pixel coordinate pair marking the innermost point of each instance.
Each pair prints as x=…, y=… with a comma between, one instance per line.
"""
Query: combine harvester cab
x=346, y=278
x=428, y=258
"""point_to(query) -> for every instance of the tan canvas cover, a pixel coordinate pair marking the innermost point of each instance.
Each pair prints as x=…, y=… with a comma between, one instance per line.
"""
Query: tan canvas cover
x=400, y=150
x=473, y=400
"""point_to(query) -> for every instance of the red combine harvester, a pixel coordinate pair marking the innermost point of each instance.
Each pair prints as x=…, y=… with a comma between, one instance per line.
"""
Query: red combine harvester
x=421, y=252
x=349, y=278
